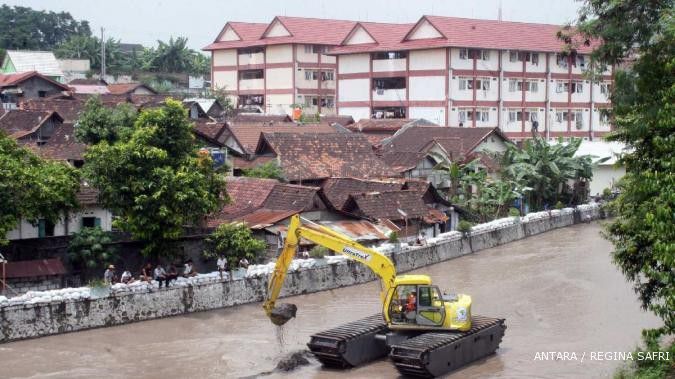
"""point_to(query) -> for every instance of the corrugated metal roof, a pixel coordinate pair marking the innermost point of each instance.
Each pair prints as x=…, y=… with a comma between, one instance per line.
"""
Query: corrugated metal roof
x=31, y=269
x=43, y=62
x=359, y=230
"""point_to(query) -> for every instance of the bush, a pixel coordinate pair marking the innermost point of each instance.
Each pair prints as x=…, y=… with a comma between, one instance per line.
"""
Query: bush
x=235, y=241
x=514, y=212
x=464, y=227
x=90, y=249
x=393, y=237
x=606, y=193
x=319, y=252
x=559, y=205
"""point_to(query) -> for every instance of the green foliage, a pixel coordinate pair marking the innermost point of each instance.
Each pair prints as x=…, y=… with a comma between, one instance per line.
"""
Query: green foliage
x=464, y=227
x=32, y=188
x=393, y=237
x=547, y=169
x=27, y=29
x=514, y=212
x=606, y=193
x=644, y=117
x=99, y=123
x=221, y=95
x=307, y=118
x=91, y=249
x=559, y=205
x=268, y=170
x=649, y=368
x=88, y=47
x=153, y=180
x=319, y=252
x=235, y=241
x=175, y=56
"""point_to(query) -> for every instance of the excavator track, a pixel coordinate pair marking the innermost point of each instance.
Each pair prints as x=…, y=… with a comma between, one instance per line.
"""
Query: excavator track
x=437, y=353
x=351, y=344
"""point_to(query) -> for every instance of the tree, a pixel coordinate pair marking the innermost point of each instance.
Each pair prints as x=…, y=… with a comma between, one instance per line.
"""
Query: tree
x=547, y=169
x=235, y=241
x=99, y=123
x=91, y=249
x=32, y=188
x=643, y=102
x=88, y=47
x=268, y=170
x=27, y=29
x=153, y=180
x=462, y=176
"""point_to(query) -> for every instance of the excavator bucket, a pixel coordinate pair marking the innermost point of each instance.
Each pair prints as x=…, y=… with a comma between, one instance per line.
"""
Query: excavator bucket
x=282, y=313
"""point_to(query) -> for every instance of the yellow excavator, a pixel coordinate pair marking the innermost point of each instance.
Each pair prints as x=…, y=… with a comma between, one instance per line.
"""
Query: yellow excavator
x=425, y=332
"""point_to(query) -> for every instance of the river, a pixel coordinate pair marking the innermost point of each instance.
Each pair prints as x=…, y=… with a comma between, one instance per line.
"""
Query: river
x=558, y=291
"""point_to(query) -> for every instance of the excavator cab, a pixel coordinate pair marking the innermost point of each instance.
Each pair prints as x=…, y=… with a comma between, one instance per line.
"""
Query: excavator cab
x=414, y=303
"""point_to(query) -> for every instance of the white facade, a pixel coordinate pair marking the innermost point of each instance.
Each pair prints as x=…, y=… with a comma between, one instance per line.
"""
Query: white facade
x=94, y=215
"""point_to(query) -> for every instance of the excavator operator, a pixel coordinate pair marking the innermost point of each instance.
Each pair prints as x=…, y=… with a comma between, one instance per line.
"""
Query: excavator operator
x=411, y=305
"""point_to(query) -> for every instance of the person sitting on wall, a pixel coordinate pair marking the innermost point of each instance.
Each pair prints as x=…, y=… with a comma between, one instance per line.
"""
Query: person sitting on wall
x=243, y=263
x=109, y=276
x=172, y=274
x=160, y=275
x=126, y=277
x=146, y=273
x=189, y=270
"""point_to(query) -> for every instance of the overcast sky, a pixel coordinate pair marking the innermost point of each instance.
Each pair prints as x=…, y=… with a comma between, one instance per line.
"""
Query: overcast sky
x=145, y=21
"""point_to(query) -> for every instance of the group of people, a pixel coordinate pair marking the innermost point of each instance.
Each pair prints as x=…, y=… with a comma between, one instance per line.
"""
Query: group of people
x=222, y=264
x=150, y=273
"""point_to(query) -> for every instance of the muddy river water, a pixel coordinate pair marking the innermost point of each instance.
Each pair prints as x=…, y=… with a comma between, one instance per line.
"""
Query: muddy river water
x=559, y=292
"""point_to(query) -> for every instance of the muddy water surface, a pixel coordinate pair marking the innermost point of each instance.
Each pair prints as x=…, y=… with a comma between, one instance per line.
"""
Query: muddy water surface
x=559, y=292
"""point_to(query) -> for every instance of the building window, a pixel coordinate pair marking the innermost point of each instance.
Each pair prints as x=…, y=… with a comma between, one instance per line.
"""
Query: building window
x=311, y=75
x=311, y=101
x=328, y=102
x=91, y=222
x=515, y=115
x=604, y=116
x=389, y=112
x=465, y=114
x=389, y=83
x=327, y=75
x=319, y=49
x=465, y=83
x=605, y=88
x=45, y=228
x=520, y=56
x=474, y=54
x=483, y=84
x=575, y=86
x=532, y=86
x=483, y=115
x=42, y=93
x=389, y=55
x=561, y=60
x=250, y=50
x=251, y=74
x=533, y=115
x=580, y=61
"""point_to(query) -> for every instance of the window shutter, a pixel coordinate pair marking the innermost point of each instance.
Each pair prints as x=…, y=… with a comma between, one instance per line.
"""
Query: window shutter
x=534, y=86
x=512, y=116
x=462, y=84
x=512, y=85
x=513, y=56
x=535, y=59
x=462, y=53
x=97, y=222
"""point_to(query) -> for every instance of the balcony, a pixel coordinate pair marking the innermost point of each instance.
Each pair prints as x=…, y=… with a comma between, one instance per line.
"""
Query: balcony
x=389, y=94
x=251, y=84
x=380, y=65
x=253, y=58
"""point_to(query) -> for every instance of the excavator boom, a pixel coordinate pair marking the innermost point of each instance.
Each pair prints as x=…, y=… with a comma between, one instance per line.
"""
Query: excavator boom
x=337, y=242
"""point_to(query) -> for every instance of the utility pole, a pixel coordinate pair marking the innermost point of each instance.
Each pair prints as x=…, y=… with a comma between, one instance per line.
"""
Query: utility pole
x=102, y=55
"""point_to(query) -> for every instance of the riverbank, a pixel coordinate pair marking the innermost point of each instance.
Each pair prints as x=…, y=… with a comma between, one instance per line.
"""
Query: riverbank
x=30, y=320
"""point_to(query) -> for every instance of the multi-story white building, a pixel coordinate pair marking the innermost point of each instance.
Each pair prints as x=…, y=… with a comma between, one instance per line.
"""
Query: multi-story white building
x=451, y=71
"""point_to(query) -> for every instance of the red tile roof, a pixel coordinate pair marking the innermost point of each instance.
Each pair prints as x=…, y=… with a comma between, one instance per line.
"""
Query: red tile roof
x=247, y=193
x=19, y=123
x=248, y=134
x=319, y=156
x=388, y=205
x=463, y=32
x=303, y=30
x=68, y=109
x=455, y=141
x=34, y=268
x=87, y=195
x=126, y=88
x=337, y=190
x=293, y=197
x=257, y=117
x=208, y=129
x=62, y=145
x=243, y=163
x=14, y=79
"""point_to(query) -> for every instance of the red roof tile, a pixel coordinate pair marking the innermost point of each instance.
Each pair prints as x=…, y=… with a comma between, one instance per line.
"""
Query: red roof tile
x=455, y=141
x=303, y=30
x=18, y=123
x=319, y=156
x=62, y=145
x=248, y=134
x=388, y=205
x=126, y=88
x=35, y=268
x=87, y=195
x=246, y=193
x=14, y=79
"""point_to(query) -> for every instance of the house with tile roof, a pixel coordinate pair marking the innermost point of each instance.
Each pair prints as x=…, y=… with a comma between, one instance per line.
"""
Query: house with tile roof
x=451, y=71
x=377, y=130
x=311, y=157
x=130, y=89
x=415, y=151
x=18, y=87
x=30, y=127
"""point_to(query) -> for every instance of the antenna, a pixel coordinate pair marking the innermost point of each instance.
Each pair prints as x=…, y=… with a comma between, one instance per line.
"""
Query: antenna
x=499, y=13
x=102, y=55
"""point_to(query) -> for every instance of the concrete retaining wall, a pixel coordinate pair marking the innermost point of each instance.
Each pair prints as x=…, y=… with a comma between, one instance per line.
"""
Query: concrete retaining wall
x=36, y=320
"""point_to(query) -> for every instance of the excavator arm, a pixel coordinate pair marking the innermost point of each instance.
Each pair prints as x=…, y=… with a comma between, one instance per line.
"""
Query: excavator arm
x=337, y=242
